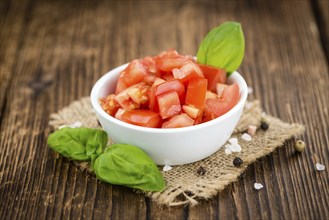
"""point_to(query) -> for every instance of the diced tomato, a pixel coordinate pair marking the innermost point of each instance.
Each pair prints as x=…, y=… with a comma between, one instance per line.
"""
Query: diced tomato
x=189, y=71
x=178, y=121
x=170, y=59
x=133, y=97
x=191, y=111
x=220, y=88
x=211, y=95
x=142, y=117
x=167, y=76
x=153, y=102
x=150, y=65
x=172, y=85
x=119, y=113
x=149, y=79
x=109, y=104
x=196, y=92
x=153, y=92
x=139, y=94
x=169, y=104
x=228, y=99
x=134, y=73
x=208, y=117
x=214, y=76
x=120, y=84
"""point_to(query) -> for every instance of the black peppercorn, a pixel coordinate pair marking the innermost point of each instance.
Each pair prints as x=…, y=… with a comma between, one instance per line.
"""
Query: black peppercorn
x=201, y=171
x=264, y=126
x=237, y=162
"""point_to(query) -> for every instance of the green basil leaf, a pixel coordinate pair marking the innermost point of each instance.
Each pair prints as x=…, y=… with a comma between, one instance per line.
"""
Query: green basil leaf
x=223, y=47
x=124, y=164
x=83, y=144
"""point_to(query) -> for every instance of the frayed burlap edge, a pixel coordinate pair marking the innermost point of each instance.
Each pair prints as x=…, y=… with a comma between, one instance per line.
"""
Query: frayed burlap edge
x=185, y=185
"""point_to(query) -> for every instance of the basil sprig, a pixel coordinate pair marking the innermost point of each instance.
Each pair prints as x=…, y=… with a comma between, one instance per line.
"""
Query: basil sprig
x=223, y=47
x=120, y=164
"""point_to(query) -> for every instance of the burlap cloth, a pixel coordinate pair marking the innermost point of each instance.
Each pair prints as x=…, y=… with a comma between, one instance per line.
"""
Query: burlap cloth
x=185, y=185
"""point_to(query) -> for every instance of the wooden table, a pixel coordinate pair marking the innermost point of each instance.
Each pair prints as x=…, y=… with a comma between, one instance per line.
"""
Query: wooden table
x=52, y=52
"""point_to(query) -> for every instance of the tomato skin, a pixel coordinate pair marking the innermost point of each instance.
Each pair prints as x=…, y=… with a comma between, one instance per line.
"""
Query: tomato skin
x=133, y=74
x=169, y=104
x=150, y=66
x=188, y=71
x=170, y=59
x=178, y=121
x=214, y=76
x=142, y=117
x=196, y=92
x=172, y=85
x=217, y=107
x=153, y=102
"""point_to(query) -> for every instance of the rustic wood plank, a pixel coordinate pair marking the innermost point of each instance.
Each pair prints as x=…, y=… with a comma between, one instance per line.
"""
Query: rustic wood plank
x=52, y=53
x=320, y=9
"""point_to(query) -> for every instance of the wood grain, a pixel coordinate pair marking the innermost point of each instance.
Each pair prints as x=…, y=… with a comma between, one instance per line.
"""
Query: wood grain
x=52, y=52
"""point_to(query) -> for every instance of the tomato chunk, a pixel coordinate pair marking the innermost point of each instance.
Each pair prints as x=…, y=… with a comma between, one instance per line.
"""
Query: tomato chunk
x=172, y=85
x=213, y=75
x=191, y=111
x=134, y=73
x=178, y=121
x=196, y=92
x=133, y=97
x=109, y=104
x=141, y=117
x=189, y=71
x=170, y=59
x=170, y=90
x=217, y=107
x=169, y=104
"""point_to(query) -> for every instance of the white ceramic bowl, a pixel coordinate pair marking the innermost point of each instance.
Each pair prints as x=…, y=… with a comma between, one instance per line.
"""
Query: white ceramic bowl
x=169, y=146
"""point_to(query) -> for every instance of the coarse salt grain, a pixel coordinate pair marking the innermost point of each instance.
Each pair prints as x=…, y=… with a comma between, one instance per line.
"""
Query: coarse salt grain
x=252, y=130
x=233, y=140
x=228, y=151
x=246, y=137
x=235, y=148
x=258, y=186
x=250, y=90
x=320, y=166
x=166, y=168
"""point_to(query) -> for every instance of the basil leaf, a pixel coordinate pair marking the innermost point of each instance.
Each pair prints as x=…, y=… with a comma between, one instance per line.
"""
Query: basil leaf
x=223, y=47
x=83, y=144
x=124, y=164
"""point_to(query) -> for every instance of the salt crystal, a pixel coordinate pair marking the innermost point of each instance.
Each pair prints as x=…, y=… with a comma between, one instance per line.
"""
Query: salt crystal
x=228, y=151
x=246, y=137
x=252, y=130
x=235, y=148
x=320, y=166
x=258, y=186
x=166, y=168
x=233, y=141
x=250, y=90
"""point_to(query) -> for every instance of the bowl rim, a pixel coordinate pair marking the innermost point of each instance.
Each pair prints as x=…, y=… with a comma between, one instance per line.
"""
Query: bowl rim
x=104, y=79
